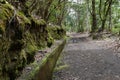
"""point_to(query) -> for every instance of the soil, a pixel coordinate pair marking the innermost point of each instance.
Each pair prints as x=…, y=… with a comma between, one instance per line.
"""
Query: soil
x=90, y=59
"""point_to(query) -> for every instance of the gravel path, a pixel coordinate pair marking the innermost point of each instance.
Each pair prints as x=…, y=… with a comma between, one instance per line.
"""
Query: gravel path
x=89, y=60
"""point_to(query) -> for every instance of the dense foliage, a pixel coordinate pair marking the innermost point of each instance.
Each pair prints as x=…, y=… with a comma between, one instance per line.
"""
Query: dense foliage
x=93, y=15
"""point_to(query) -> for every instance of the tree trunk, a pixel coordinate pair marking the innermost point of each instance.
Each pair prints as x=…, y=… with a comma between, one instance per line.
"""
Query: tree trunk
x=94, y=21
x=103, y=25
x=110, y=22
x=106, y=11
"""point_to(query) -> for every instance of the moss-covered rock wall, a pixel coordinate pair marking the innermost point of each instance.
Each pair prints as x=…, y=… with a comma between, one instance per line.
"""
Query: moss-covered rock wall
x=20, y=38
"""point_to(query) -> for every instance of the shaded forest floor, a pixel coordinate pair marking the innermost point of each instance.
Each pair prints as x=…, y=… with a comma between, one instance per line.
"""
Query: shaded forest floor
x=90, y=59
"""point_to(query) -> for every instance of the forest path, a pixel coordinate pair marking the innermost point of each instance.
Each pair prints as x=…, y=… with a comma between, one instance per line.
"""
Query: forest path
x=89, y=60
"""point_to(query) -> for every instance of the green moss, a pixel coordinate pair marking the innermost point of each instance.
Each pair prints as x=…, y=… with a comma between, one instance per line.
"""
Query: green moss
x=0, y=67
x=6, y=11
x=39, y=32
x=16, y=49
x=23, y=18
x=2, y=15
x=30, y=43
x=2, y=27
x=39, y=22
x=56, y=32
x=23, y=55
x=61, y=67
x=19, y=46
x=50, y=40
x=116, y=29
x=31, y=48
x=28, y=3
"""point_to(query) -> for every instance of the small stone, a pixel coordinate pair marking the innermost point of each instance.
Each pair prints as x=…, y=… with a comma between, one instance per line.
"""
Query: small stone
x=119, y=55
x=86, y=68
x=117, y=76
x=28, y=68
x=99, y=74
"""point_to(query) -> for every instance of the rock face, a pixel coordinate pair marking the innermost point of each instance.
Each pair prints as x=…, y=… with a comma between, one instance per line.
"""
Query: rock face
x=20, y=37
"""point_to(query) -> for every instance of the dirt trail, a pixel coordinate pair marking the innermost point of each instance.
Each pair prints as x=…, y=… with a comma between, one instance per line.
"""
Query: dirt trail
x=89, y=60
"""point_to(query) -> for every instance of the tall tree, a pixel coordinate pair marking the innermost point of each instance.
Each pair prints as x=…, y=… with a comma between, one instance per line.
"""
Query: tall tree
x=94, y=20
x=104, y=12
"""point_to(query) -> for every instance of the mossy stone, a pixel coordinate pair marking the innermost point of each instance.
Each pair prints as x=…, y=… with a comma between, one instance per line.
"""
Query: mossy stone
x=56, y=32
x=22, y=18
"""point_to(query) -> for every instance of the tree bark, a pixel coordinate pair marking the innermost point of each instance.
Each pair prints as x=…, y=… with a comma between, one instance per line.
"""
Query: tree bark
x=110, y=22
x=107, y=7
x=94, y=20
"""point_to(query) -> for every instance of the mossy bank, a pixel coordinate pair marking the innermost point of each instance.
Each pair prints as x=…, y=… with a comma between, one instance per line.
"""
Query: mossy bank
x=20, y=38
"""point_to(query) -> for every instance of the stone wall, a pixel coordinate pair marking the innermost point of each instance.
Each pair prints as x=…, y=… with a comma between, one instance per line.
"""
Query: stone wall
x=20, y=38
